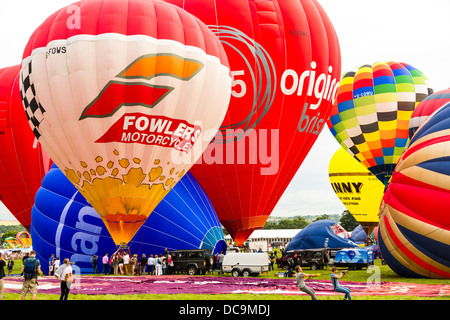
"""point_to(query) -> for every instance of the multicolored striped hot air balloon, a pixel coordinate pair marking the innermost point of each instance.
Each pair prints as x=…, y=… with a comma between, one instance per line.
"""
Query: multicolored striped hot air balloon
x=414, y=229
x=425, y=108
x=372, y=111
x=119, y=100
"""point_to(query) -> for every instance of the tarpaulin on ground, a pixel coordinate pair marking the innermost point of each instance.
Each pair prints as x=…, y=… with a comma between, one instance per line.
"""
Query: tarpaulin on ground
x=177, y=284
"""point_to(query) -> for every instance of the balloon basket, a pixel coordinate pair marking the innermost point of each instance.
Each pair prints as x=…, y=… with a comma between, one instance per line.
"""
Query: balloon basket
x=123, y=246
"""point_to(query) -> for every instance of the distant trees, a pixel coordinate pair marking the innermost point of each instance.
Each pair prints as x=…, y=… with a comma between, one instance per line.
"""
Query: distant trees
x=9, y=231
x=298, y=223
x=348, y=222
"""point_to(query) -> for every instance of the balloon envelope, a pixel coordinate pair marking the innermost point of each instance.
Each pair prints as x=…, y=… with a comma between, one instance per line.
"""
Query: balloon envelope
x=359, y=235
x=116, y=91
x=22, y=161
x=284, y=58
x=357, y=188
x=321, y=234
x=371, y=116
x=414, y=232
x=426, y=107
x=65, y=224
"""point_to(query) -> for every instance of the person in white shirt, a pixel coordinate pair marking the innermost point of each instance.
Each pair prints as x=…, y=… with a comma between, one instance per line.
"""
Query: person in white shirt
x=56, y=264
x=158, y=264
x=126, y=263
x=151, y=265
x=64, y=274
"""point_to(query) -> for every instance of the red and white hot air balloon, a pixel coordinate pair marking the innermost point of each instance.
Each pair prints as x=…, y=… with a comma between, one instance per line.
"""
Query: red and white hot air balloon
x=115, y=91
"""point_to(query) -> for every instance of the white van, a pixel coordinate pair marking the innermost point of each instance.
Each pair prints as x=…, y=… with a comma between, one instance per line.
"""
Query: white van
x=245, y=264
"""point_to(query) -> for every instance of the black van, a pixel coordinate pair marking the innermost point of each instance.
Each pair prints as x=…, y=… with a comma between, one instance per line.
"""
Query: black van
x=192, y=262
x=313, y=258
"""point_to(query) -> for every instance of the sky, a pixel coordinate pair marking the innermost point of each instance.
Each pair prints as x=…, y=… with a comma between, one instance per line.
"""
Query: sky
x=411, y=31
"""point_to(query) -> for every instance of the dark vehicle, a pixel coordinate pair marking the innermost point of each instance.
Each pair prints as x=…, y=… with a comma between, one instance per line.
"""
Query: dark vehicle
x=313, y=258
x=191, y=262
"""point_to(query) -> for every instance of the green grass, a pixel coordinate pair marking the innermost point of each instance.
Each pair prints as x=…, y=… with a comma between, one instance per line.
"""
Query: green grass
x=385, y=275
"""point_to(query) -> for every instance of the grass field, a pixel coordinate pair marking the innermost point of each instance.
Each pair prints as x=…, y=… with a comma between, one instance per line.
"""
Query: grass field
x=384, y=274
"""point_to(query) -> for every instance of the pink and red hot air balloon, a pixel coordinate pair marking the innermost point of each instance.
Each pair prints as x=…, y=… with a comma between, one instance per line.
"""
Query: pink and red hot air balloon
x=284, y=58
x=115, y=95
x=23, y=163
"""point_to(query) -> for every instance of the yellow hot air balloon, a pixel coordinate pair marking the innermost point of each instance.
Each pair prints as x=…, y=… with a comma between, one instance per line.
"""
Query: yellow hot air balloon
x=359, y=190
x=117, y=93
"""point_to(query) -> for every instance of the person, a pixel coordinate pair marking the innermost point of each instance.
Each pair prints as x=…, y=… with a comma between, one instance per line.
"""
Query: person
x=170, y=264
x=300, y=277
x=220, y=261
x=164, y=265
x=65, y=275
x=272, y=261
x=51, y=261
x=158, y=264
x=133, y=263
x=111, y=263
x=94, y=263
x=31, y=268
x=105, y=261
x=119, y=257
x=2, y=274
x=336, y=286
x=10, y=266
x=126, y=263
x=143, y=264
x=56, y=264
x=151, y=265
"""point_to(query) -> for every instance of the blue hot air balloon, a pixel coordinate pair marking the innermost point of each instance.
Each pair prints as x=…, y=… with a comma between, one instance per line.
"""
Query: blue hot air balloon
x=65, y=224
x=321, y=234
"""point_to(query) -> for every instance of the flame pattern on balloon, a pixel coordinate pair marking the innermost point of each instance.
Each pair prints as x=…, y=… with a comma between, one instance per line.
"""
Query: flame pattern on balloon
x=414, y=229
x=371, y=115
x=116, y=101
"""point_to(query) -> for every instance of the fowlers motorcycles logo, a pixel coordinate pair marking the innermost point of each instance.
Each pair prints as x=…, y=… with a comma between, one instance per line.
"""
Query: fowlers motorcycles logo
x=132, y=87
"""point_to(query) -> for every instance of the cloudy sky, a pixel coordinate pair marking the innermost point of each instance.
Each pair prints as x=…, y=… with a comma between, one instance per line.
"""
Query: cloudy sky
x=411, y=31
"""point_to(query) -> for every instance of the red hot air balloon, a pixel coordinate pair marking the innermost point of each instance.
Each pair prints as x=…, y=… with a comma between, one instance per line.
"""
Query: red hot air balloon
x=285, y=63
x=23, y=162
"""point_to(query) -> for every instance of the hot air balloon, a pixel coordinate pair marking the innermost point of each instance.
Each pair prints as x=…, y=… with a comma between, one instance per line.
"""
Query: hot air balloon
x=371, y=116
x=321, y=234
x=414, y=229
x=65, y=224
x=359, y=235
x=23, y=163
x=357, y=188
x=285, y=64
x=116, y=92
x=426, y=107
